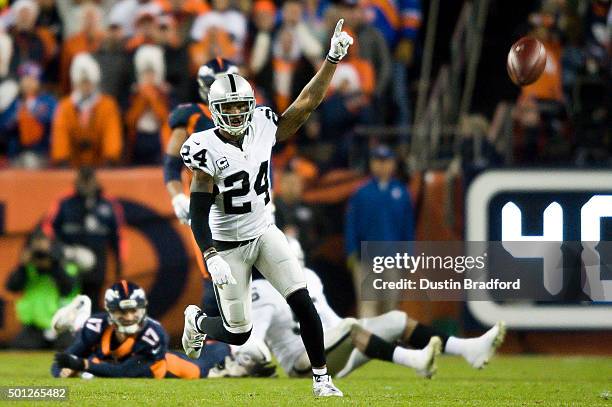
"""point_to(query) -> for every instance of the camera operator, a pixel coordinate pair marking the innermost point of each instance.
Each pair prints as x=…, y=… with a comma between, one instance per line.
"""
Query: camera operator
x=47, y=280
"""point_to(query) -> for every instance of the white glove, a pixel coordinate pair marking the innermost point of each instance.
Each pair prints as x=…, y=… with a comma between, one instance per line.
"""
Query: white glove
x=180, y=203
x=340, y=42
x=219, y=270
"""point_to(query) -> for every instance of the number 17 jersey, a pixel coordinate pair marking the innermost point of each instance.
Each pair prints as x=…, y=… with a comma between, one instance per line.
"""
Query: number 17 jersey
x=241, y=175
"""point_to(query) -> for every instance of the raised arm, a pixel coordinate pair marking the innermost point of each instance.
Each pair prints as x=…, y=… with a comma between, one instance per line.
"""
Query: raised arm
x=311, y=96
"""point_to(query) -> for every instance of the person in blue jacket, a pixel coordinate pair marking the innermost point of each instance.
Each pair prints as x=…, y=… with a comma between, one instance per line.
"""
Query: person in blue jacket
x=381, y=210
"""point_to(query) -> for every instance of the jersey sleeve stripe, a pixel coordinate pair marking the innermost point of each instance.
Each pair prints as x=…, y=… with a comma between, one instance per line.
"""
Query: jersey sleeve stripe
x=191, y=123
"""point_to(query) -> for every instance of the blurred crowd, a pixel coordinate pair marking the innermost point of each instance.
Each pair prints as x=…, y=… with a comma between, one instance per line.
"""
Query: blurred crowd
x=91, y=82
x=564, y=118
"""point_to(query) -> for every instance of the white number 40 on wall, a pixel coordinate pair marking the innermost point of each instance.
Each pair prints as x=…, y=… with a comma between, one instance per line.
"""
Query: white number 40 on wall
x=591, y=213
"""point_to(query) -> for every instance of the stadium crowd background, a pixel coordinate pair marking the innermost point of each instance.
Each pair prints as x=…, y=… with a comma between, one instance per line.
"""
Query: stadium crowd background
x=91, y=83
x=143, y=59
x=145, y=54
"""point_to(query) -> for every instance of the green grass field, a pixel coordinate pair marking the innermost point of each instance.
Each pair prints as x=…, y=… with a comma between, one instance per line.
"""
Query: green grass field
x=507, y=381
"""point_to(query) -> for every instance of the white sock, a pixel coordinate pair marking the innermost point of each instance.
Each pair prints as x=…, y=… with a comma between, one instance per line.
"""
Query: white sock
x=455, y=346
x=319, y=372
x=408, y=357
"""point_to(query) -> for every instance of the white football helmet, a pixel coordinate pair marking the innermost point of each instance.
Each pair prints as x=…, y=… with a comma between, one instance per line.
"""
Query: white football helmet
x=231, y=89
x=252, y=359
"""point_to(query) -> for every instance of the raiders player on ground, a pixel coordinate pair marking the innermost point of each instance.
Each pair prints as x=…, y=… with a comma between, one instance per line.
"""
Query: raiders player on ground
x=349, y=343
x=229, y=194
x=275, y=326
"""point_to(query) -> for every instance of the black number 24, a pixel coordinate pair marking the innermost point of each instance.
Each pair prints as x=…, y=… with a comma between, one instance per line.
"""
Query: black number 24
x=262, y=186
x=200, y=156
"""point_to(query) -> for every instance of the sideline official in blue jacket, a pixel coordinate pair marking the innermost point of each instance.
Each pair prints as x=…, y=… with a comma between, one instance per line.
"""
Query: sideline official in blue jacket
x=381, y=210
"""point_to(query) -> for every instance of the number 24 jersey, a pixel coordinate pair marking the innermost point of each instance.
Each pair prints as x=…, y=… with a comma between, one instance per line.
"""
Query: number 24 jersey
x=241, y=176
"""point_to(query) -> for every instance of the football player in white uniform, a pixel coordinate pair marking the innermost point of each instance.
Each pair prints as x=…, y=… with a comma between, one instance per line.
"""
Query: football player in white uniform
x=275, y=325
x=349, y=343
x=231, y=223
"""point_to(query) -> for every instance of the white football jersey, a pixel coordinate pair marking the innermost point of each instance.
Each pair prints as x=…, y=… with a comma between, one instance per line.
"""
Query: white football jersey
x=274, y=323
x=241, y=176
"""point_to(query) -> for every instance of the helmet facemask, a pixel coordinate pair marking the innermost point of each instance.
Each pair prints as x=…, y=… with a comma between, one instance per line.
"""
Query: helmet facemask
x=233, y=115
x=126, y=304
x=128, y=319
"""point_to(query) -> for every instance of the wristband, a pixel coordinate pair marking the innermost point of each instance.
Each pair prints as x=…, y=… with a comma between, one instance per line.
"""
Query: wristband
x=332, y=60
x=208, y=253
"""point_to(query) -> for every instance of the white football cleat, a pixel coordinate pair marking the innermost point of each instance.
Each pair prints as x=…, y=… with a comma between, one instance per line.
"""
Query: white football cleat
x=430, y=365
x=193, y=340
x=483, y=348
x=72, y=317
x=322, y=386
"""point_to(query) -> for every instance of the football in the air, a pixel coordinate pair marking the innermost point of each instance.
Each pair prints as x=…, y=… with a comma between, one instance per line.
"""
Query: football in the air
x=526, y=61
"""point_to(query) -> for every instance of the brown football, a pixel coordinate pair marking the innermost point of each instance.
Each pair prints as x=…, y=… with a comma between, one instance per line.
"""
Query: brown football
x=526, y=61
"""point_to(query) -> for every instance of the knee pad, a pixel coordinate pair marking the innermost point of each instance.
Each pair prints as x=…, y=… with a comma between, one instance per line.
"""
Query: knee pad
x=234, y=317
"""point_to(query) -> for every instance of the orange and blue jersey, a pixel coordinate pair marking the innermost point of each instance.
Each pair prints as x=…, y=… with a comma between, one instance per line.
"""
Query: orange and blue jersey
x=193, y=117
x=396, y=19
x=142, y=355
x=180, y=366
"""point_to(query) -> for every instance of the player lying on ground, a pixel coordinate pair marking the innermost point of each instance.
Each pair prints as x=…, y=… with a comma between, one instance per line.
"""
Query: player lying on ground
x=123, y=342
x=349, y=343
x=230, y=220
x=274, y=324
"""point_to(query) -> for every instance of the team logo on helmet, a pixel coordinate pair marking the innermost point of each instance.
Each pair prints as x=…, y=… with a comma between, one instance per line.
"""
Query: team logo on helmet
x=126, y=304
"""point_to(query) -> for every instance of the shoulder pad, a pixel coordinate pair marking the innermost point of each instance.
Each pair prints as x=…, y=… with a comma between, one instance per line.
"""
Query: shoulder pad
x=179, y=117
x=265, y=113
